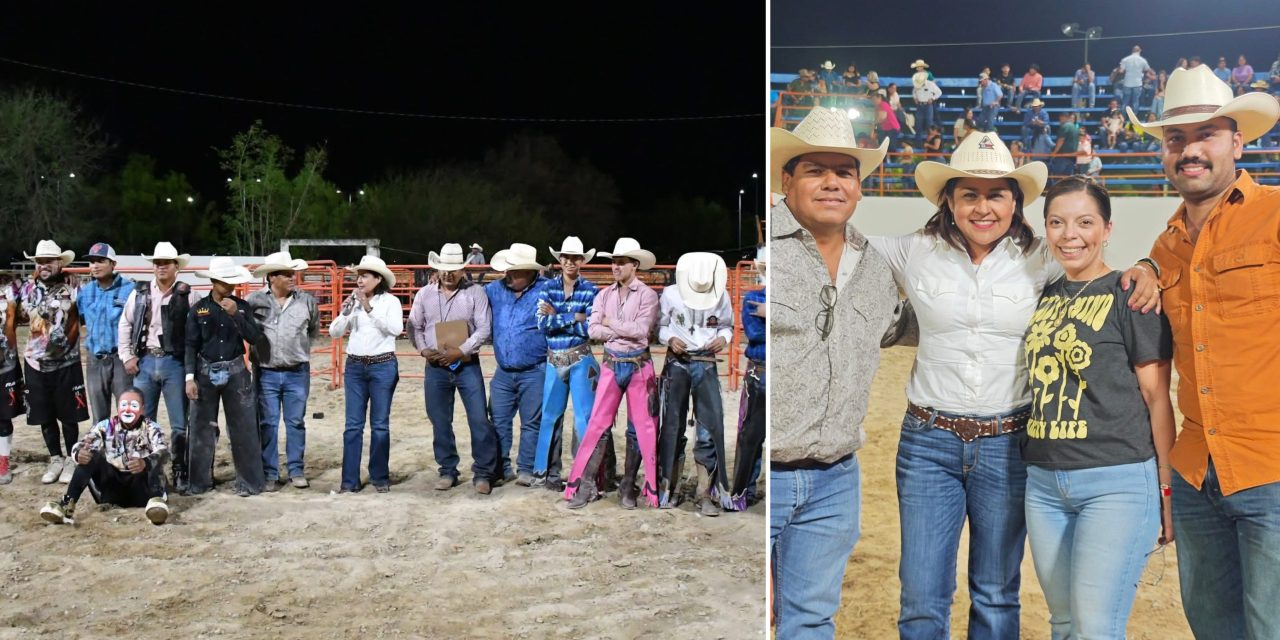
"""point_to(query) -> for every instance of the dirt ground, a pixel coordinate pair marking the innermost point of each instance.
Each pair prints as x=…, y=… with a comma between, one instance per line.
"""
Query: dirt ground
x=869, y=606
x=414, y=563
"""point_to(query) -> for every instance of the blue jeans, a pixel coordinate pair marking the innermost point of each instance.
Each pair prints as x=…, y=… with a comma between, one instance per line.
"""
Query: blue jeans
x=924, y=120
x=1228, y=558
x=163, y=376
x=509, y=392
x=813, y=525
x=283, y=393
x=438, y=386
x=369, y=387
x=1076, y=90
x=1090, y=531
x=987, y=118
x=1129, y=97
x=1030, y=93
x=557, y=387
x=941, y=482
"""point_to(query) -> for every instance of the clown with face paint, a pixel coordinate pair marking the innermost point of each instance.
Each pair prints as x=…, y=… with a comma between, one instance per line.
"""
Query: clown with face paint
x=121, y=462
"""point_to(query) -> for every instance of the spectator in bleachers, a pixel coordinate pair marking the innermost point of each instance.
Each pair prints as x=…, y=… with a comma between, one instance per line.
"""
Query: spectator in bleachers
x=1222, y=71
x=895, y=103
x=1182, y=63
x=1157, y=101
x=887, y=125
x=1032, y=83
x=873, y=82
x=1130, y=140
x=963, y=126
x=1112, y=122
x=1018, y=152
x=828, y=79
x=923, y=93
x=1135, y=68
x=806, y=82
x=1064, y=151
x=1241, y=76
x=1195, y=62
x=989, y=95
x=1275, y=75
x=1084, y=81
x=1041, y=146
x=1084, y=151
x=1033, y=120
x=853, y=84
x=1149, y=81
x=1006, y=80
x=933, y=141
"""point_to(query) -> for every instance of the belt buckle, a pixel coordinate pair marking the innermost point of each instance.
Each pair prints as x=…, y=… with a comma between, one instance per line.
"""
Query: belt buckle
x=155, y=351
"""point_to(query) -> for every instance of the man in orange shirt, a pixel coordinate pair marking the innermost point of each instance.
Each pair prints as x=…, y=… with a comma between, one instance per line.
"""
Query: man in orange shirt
x=1220, y=271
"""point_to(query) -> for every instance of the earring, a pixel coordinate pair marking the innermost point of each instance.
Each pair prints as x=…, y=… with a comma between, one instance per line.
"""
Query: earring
x=1106, y=243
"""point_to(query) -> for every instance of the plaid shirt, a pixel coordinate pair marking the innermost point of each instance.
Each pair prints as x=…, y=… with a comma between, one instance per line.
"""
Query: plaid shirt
x=100, y=311
x=562, y=331
x=120, y=444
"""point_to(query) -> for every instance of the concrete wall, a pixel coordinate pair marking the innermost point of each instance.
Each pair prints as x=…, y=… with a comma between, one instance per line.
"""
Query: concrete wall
x=1135, y=221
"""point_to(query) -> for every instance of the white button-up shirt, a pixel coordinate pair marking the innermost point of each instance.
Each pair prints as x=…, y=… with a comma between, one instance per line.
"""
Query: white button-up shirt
x=372, y=333
x=972, y=320
x=696, y=328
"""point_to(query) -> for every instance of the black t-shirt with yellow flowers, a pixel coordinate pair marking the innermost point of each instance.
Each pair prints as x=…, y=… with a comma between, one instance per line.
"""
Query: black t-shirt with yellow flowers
x=1081, y=349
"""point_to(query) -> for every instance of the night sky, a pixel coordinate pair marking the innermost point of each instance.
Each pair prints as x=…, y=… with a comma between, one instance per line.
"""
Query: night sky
x=688, y=59
x=809, y=22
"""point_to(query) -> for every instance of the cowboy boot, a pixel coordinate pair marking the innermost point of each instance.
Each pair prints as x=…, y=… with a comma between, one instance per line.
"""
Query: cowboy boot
x=706, y=506
x=179, y=463
x=627, y=491
x=586, y=490
x=674, y=484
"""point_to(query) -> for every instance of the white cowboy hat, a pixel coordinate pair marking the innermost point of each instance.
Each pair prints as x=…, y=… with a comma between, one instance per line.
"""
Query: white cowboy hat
x=224, y=269
x=981, y=155
x=630, y=248
x=572, y=245
x=166, y=251
x=476, y=245
x=518, y=257
x=828, y=65
x=450, y=258
x=375, y=264
x=50, y=249
x=279, y=261
x=919, y=63
x=822, y=131
x=1196, y=95
x=701, y=279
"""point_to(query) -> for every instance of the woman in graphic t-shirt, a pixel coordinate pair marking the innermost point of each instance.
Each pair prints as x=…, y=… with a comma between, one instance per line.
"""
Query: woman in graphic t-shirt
x=1101, y=427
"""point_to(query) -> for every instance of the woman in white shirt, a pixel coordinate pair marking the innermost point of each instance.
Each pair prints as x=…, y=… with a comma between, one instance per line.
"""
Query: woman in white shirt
x=375, y=319
x=973, y=274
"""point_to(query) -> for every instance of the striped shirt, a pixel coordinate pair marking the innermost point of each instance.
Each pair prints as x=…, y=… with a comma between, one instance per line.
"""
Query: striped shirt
x=562, y=331
x=100, y=311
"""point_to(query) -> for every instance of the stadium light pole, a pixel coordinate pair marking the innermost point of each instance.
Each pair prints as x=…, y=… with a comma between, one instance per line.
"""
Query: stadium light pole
x=1073, y=29
x=755, y=180
x=738, y=239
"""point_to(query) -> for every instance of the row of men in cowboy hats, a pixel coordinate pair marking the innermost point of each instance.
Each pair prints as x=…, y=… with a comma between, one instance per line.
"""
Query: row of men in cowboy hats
x=974, y=388
x=541, y=329
x=170, y=343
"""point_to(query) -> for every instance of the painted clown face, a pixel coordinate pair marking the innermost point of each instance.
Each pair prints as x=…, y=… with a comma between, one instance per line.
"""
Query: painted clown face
x=129, y=409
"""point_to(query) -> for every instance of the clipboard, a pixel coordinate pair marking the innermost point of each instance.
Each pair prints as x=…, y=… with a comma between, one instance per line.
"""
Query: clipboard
x=452, y=334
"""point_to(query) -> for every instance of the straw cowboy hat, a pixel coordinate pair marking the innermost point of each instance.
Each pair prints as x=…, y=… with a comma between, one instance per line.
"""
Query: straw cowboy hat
x=701, y=279
x=573, y=246
x=1196, y=95
x=166, y=251
x=1036, y=103
x=279, y=261
x=919, y=63
x=224, y=269
x=1260, y=84
x=374, y=264
x=981, y=155
x=50, y=249
x=822, y=131
x=517, y=258
x=450, y=258
x=630, y=248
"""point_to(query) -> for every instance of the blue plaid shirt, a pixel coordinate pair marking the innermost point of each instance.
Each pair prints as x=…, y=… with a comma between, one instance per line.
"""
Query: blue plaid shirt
x=561, y=330
x=517, y=343
x=100, y=311
x=753, y=326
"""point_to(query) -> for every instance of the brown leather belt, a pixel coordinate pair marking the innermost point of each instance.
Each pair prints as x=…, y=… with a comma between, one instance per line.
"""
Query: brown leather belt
x=609, y=358
x=970, y=429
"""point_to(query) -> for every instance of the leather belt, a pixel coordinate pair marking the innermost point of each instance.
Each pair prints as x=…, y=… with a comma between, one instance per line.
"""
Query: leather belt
x=156, y=351
x=289, y=369
x=970, y=429
x=755, y=366
x=568, y=357
x=375, y=359
x=609, y=358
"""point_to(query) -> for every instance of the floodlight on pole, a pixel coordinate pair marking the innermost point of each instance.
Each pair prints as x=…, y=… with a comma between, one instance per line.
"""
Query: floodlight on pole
x=1073, y=29
x=738, y=238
